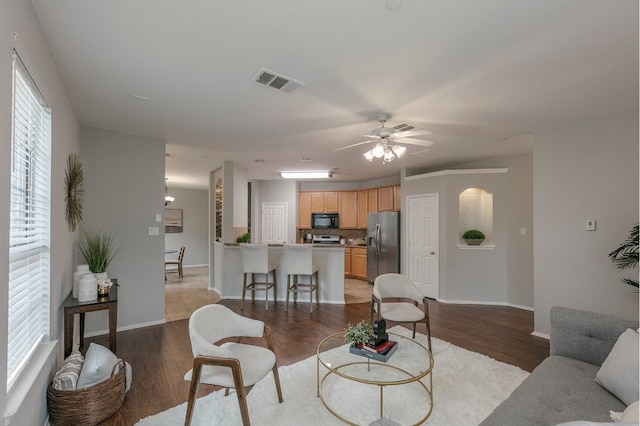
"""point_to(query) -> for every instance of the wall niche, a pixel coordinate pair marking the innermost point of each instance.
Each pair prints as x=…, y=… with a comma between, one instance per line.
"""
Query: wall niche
x=475, y=212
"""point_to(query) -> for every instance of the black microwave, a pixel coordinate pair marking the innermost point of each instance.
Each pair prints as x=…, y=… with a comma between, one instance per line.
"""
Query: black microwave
x=324, y=220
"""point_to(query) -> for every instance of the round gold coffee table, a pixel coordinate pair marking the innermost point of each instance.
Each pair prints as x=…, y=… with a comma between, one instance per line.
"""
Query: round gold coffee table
x=410, y=363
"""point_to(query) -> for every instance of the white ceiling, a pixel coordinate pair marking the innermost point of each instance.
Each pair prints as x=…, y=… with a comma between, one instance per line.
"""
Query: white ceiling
x=480, y=75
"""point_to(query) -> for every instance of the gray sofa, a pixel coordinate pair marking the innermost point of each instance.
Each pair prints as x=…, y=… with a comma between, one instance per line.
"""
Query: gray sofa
x=563, y=387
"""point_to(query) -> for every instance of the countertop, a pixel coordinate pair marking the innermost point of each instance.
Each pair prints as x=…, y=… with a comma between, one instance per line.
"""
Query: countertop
x=314, y=245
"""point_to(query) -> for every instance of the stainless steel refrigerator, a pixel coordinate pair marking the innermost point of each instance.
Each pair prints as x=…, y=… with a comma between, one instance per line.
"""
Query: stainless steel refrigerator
x=383, y=244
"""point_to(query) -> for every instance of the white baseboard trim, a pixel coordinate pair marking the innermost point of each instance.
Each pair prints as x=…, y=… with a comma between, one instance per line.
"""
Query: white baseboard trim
x=538, y=334
x=125, y=328
x=194, y=266
x=476, y=302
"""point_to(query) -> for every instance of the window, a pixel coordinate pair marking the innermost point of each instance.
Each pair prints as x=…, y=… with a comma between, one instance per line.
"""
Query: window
x=29, y=277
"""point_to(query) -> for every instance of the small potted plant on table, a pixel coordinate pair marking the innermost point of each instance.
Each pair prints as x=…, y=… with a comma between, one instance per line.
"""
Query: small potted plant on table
x=358, y=334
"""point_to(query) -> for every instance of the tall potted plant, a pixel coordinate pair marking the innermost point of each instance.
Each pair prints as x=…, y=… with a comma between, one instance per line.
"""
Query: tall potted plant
x=96, y=248
x=626, y=255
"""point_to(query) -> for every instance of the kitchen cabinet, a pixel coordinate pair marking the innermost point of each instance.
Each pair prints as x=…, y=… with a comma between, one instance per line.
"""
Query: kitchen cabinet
x=359, y=262
x=324, y=201
x=347, y=262
x=372, y=202
x=348, y=209
x=363, y=209
x=396, y=198
x=385, y=199
x=304, y=210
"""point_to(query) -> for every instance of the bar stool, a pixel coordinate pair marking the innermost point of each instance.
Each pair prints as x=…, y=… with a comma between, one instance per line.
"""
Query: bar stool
x=255, y=260
x=299, y=261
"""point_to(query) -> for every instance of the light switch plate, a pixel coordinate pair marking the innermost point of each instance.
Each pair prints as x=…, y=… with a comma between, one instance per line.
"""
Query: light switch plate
x=154, y=230
x=158, y=217
x=590, y=225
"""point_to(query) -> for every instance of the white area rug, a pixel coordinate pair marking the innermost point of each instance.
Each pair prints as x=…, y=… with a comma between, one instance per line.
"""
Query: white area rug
x=467, y=386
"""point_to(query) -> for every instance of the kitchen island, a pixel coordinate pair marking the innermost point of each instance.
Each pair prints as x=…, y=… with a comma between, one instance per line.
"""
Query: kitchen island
x=329, y=258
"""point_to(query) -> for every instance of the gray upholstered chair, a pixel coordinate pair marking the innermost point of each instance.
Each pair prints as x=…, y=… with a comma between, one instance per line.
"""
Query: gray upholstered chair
x=231, y=364
x=396, y=298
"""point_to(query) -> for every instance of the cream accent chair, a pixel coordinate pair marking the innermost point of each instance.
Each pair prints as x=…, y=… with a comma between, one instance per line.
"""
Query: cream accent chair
x=255, y=260
x=299, y=261
x=231, y=364
x=396, y=298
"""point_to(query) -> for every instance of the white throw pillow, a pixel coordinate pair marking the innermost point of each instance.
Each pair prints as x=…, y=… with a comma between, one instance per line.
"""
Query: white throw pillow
x=98, y=366
x=619, y=372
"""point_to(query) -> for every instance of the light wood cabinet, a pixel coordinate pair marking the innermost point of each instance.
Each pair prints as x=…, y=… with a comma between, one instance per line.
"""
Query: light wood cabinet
x=372, y=204
x=385, y=199
x=348, y=209
x=324, y=202
x=347, y=261
x=396, y=198
x=359, y=263
x=363, y=209
x=331, y=202
x=304, y=210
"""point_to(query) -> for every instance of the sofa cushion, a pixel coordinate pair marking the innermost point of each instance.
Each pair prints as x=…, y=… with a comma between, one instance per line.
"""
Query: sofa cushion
x=559, y=390
x=619, y=372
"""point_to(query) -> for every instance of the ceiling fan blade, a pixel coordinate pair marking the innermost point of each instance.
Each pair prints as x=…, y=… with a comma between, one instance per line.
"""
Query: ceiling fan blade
x=411, y=133
x=352, y=145
x=371, y=136
x=419, y=142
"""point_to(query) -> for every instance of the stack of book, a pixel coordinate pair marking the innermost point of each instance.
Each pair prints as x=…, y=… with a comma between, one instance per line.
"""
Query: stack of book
x=381, y=352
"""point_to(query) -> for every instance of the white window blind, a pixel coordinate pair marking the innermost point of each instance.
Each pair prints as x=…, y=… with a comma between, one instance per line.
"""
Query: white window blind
x=29, y=277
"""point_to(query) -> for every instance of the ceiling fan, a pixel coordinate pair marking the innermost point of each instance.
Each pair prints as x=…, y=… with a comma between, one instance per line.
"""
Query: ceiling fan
x=388, y=138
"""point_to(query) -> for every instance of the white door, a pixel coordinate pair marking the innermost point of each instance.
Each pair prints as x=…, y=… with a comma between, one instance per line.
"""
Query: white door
x=422, y=241
x=274, y=223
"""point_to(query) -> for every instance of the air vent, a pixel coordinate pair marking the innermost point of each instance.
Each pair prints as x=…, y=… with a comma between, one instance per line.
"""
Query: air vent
x=277, y=81
x=403, y=127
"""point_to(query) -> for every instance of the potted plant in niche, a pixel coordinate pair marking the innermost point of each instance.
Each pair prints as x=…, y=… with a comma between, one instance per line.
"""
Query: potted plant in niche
x=358, y=334
x=96, y=249
x=473, y=237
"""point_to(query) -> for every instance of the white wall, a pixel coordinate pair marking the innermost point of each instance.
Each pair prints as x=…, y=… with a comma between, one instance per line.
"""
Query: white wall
x=195, y=225
x=124, y=190
x=586, y=170
x=19, y=17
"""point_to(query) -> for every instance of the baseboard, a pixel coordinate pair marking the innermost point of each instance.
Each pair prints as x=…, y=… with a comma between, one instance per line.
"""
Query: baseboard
x=125, y=328
x=323, y=301
x=194, y=266
x=538, y=334
x=475, y=302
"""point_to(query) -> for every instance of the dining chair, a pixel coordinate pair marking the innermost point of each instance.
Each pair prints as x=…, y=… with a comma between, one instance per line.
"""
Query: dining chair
x=230, y=365
x=396, y=298
x=177, y=262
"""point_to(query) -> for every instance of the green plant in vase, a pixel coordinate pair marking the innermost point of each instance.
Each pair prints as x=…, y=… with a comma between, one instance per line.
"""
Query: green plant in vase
x=358, y=334
x=96, y=249
x=626, y=255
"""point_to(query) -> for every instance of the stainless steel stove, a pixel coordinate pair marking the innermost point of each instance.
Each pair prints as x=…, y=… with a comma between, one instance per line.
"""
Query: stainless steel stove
x=326, y=239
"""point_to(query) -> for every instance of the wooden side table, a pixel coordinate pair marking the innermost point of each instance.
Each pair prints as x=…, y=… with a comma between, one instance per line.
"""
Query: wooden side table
x=72, y=307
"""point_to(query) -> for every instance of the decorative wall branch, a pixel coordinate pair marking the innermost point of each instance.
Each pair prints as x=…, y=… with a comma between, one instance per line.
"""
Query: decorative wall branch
x=73, y=182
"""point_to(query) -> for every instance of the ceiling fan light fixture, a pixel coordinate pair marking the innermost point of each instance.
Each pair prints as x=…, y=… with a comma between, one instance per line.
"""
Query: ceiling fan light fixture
x=378, y=151
x=399, y=150
x=388, y=156
x=369, y=155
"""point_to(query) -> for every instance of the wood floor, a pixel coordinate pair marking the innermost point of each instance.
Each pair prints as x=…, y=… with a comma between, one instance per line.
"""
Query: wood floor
x=161, y=355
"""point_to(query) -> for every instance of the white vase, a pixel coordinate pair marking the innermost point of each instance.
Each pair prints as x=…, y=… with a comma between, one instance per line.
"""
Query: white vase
x=87, y=288
x=80, y=271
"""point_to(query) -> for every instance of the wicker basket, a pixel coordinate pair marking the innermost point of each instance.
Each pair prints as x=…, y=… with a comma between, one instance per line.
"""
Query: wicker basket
x=87, y=406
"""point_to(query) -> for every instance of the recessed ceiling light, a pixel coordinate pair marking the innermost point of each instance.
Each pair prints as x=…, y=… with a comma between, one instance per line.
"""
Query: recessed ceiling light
x=141, y=98
x=259, y=160
x=306, y=175
x=305, y=160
